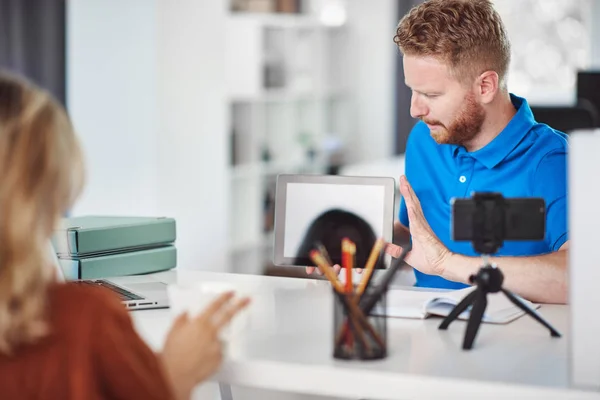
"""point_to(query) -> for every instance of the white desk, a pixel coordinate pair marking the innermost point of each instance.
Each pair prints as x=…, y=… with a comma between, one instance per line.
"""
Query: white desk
x=391, y=166
x=290, y=350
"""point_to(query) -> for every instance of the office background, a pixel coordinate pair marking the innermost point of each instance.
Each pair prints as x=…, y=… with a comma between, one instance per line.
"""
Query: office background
x=190, y=108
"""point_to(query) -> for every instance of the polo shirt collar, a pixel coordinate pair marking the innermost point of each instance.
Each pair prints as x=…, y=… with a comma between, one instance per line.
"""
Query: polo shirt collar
x=501, y=146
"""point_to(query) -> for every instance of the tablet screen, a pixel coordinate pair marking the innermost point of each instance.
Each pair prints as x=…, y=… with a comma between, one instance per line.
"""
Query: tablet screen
x=307, y=201
x=324, y=209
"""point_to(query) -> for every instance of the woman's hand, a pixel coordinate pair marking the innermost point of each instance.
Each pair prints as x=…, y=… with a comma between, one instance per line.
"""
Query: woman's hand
x=193, y=351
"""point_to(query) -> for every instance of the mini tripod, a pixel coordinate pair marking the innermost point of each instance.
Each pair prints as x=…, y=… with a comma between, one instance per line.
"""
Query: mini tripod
x=489, y=279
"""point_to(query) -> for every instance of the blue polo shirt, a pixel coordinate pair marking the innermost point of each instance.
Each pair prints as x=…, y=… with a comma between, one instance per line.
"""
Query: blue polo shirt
x=527, y=159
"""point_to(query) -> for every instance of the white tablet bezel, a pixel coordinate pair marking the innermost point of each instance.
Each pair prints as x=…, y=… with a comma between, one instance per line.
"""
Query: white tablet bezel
x=388, y=183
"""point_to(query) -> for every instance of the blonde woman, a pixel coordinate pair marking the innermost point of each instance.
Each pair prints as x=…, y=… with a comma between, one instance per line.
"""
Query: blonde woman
x=60, y=340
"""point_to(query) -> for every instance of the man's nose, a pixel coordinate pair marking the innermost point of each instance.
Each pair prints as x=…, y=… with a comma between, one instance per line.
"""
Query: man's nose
x=417, y=108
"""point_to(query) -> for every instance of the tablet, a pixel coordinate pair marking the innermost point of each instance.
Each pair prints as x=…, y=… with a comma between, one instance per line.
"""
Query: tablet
x=311, y=209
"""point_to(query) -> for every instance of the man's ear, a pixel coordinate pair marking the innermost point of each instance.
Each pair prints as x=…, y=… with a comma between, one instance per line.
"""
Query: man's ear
x=487, y=86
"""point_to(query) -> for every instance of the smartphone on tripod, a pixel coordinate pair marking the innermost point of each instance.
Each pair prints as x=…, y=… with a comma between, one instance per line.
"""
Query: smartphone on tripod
x=488, y=219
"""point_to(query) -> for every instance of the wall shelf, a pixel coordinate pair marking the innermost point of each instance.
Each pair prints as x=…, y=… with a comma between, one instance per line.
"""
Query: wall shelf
x=289, y=102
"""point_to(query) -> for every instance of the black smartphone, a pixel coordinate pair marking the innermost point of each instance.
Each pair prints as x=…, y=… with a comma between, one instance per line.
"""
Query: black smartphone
x=494, y=218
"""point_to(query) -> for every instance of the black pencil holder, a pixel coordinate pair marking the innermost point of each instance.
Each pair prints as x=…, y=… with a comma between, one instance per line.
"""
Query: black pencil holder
x=360, y=335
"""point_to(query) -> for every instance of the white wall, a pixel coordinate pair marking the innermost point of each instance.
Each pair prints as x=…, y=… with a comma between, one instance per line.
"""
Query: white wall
x=595, y=36
x=145, y=85
x=372, y=25
x=111, y=97
x=193, y=155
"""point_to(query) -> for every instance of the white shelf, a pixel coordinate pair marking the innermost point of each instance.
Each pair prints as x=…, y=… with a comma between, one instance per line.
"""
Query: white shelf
x=268, y=239
x=297, y=51
x=288, y=91
x=246, y=171
x=261, y=242
x=288, y=96
x=259, y=170
x=246, y=245
x=279, y=20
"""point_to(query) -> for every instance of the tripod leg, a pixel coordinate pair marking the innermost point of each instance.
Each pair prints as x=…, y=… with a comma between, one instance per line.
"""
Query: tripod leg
x=477, y=311
x=460, y=307
x=531, y=312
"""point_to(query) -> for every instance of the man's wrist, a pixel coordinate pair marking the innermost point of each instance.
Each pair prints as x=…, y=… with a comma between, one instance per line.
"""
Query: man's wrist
x=458, y=268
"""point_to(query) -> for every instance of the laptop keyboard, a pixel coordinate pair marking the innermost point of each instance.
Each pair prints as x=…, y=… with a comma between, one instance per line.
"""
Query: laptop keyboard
x=125, y=295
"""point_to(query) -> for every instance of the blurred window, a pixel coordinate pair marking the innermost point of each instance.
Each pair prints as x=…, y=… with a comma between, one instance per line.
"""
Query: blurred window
x=551, y=40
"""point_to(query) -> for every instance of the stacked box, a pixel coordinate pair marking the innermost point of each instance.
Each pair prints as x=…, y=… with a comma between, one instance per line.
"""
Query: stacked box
x=91, y=247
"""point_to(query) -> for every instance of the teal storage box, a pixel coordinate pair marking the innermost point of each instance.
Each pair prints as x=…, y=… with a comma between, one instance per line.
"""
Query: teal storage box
x=141, y=261
x=94, y=235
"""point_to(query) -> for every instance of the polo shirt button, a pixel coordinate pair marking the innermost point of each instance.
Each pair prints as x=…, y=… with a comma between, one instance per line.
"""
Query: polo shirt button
x=462, y=179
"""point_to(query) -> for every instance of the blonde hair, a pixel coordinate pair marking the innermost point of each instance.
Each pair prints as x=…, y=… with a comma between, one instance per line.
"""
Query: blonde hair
x=41, y=175
x=467, y=35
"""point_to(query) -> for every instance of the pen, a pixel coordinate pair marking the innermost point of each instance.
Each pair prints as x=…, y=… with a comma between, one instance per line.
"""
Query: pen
x=352, y=259
x=368, y=305
x=347, y=266
x=380, y=260
x=369, y=266
x=327, y=270
x=348, y=251
x=324, y=252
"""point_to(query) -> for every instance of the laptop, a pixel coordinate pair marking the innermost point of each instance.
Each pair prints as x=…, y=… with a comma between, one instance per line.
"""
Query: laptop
x=143, y=294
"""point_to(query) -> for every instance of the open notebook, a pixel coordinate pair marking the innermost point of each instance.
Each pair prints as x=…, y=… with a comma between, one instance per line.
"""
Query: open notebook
x=411, y=303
